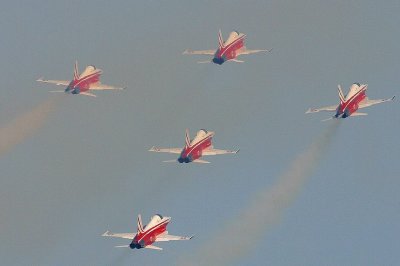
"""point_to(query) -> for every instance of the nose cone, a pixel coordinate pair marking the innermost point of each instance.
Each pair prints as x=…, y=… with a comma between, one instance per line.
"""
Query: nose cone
x=218, y=60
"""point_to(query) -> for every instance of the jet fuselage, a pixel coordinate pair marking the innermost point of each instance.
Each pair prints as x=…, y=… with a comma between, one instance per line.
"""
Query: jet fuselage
x=157, y=226
x=90, y=76
x=194, y=151
x=356, y=95
x=230, y=49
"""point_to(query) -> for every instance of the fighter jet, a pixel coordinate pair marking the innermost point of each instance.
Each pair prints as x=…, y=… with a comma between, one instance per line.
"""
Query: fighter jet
x=194, y=149
x=228, y=50
x=154, y=231
x=88, y=80
x=355, y=99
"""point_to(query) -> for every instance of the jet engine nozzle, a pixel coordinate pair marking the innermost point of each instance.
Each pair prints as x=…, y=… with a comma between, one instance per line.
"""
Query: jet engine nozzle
x=218, y=60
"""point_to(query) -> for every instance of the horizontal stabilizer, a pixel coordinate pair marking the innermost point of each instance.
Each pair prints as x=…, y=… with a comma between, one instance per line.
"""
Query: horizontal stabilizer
x=88, y=94
x=170, y=161
x=327, y=119
x=204, y=62
x=122, y=246
x=200, y=161
x=57, y=91
x=153, y=247
x=237, y=61
x=358, y=114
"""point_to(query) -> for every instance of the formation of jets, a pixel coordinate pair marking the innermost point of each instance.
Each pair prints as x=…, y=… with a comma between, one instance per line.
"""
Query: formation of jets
x=194, y=149
x=88, y=80
x=201, y=144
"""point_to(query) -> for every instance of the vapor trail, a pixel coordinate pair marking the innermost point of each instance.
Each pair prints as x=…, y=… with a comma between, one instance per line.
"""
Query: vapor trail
x=24, y=125
x=265, y=210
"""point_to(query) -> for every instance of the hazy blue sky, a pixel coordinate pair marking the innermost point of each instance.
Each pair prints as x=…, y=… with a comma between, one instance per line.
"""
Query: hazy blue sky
x=87, y=169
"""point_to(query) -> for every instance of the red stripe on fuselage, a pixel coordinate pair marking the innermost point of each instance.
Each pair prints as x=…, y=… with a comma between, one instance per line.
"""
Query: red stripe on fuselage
x=148, y=232
x=85, y=82
x=230, y=50
x=353, y=102
x=197, y=147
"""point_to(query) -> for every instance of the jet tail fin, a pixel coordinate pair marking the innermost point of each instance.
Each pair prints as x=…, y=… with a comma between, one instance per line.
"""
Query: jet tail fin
x=187, y=138
x=76, y=73
x=220, y=40
x=139, y=224
x=341, y=95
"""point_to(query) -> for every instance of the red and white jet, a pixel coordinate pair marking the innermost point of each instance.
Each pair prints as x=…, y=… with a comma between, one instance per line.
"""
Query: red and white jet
x=228, y=50
x=194, y=149
x=154, y=231
x=88, y=80
x=355, y=99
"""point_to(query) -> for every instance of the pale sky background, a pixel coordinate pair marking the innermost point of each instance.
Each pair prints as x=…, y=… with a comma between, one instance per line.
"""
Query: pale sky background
x=87, y=169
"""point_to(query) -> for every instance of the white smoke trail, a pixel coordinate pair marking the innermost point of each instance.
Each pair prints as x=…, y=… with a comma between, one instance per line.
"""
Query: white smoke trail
x=243, y=233
x=24, y=125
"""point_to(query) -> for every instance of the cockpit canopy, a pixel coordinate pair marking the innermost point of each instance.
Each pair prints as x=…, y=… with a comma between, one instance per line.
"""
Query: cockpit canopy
x=88, y=70
x=355, y=87
x=200, y=135
x=154, y=221
x=234, y=35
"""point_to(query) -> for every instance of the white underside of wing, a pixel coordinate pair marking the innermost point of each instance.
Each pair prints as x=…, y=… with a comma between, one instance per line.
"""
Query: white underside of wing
x=167, y=237
x=100, y=87
x=120, y=235
x=217, y=152
x=247, y=51
x=367, y=102
x=200, y=52
x=331, y=108
x=167, y=150
x=53, y=81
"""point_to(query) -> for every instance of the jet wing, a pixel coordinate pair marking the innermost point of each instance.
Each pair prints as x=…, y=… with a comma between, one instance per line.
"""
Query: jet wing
x=217, y=152
x=206, y=52
x=168, y=150
x=247, y=51
x=167, y=237
x=367, y=102
x=120, y=235
x=331, y=108
x=100, y=86
x=53, y=81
